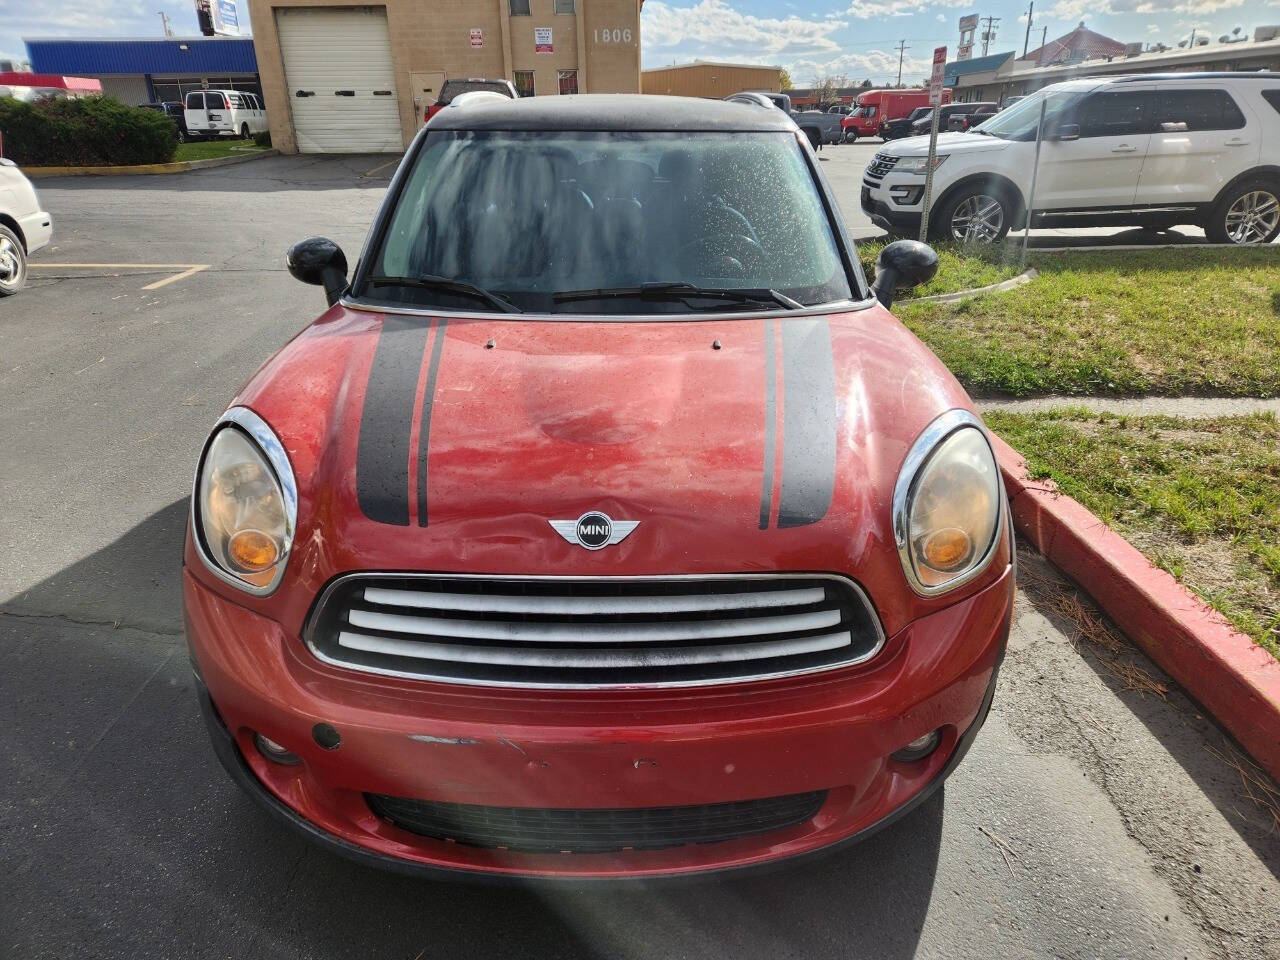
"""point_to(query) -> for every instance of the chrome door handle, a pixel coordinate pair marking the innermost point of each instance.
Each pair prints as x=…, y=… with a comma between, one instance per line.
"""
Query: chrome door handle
x=1124, y=148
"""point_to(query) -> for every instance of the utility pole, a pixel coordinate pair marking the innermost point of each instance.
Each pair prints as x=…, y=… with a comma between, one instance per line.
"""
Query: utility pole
x=164, y=19
x=1044, y=38
x=1026, y=41
x=902, y=47
x=986, y=34
x=1192, y=44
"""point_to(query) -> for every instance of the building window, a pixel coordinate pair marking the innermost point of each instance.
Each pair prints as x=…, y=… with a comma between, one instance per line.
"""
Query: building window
x=568, y=81
x=524, y=82
x=564, y=6
x=519, y=8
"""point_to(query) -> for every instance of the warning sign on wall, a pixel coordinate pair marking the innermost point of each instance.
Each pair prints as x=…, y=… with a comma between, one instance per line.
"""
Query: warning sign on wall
x=542, y=40
x=477, y=37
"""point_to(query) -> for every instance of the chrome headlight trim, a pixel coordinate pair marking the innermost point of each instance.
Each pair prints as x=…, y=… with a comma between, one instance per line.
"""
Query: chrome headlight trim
x=264, y=438
x=930, y=438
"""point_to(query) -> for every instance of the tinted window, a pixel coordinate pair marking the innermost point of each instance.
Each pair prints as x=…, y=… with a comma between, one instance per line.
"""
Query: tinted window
x=520, y=8
x=1272, y=97
x=1113, y=114
x=1176, y=110
x=195, y=101
x=455, y=88
x=529, y=215
x=214, y=101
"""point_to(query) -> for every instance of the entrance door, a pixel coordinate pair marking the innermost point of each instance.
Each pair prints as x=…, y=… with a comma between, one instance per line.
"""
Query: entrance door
x=426, y=90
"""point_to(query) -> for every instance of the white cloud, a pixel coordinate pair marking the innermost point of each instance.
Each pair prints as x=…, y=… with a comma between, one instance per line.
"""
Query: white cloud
x=879, y=65
x=866, y=9
x=1076, y=9
x=714, y=29
x=942, y=18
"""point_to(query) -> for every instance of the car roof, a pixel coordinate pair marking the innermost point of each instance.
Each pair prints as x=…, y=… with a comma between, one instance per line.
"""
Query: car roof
x=612, y=111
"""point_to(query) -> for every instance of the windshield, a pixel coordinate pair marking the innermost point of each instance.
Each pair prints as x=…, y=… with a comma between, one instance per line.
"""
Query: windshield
x=530, y=217
x=858, y=112
x=1019, y=121
x=456, y=88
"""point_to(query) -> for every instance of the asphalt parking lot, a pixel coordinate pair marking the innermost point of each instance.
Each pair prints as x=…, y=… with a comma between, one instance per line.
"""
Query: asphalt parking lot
x=1094, y=817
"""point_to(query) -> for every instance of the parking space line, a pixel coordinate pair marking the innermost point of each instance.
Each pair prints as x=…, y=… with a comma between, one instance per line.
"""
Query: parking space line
x=381, y=166
x=186, y=269
x=176, y=277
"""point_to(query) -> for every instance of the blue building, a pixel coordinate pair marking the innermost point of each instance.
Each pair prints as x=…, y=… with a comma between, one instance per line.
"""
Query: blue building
x=150, y=70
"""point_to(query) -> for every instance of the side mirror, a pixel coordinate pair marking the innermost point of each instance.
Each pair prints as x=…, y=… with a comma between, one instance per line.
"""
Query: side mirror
x=902, y=265
x=1068, y=131
x=319, y=261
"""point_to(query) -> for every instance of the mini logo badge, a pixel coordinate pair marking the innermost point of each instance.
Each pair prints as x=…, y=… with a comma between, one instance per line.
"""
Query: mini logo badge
x=594, y=530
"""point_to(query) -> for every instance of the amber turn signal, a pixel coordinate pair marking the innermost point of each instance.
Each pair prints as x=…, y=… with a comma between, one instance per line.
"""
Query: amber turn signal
x=946, y=549
x=252, y=550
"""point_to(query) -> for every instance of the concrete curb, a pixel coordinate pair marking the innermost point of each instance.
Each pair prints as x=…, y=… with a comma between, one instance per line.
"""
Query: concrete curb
x=1010, y=284
x=1235, y=680
x=182, y=166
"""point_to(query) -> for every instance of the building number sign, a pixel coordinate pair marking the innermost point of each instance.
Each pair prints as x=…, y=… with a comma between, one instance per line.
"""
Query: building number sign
x=616, y=35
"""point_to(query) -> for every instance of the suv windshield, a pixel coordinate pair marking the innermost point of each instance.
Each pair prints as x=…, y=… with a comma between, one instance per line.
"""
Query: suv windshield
x=1019, y=122
x=578, y=222
x=456, y=88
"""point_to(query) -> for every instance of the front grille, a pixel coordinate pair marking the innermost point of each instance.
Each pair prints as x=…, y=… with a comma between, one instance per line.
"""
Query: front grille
x=881, y=164
x=595, y=831
x=607, y=631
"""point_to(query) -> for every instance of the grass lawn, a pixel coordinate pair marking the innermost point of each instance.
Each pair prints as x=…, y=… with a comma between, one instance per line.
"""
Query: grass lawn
x=1201, y=498
x=209, y=149
x=960, y=267
x=1159, y=322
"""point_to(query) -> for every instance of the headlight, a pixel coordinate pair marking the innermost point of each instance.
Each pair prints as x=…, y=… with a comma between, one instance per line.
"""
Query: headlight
x=245, y=504
x=918, y=164
x=947, y=504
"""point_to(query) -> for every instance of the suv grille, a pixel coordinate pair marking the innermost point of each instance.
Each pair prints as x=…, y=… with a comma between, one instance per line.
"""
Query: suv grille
x=595, y=831
x=607, y=631
x=881, y=164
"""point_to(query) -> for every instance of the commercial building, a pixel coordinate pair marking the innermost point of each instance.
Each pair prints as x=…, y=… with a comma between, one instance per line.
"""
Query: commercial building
x=339, y=78
x=706, y=78
x=148, y=70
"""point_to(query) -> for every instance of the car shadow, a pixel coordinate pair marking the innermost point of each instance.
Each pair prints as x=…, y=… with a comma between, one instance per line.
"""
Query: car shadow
x=114, y=787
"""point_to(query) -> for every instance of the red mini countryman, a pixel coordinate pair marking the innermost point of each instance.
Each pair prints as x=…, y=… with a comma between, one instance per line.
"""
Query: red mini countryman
x=607, y=523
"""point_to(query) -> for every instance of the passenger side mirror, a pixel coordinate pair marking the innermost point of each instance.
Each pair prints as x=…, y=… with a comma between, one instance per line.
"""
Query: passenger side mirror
x=902, y=265
x=319, y=261
x=1068, y=131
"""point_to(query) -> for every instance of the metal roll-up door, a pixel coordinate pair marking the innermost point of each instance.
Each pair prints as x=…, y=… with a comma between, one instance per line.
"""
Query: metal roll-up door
x=339, y=79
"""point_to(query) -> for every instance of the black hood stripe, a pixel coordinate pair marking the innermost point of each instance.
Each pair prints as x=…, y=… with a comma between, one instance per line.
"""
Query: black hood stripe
x=424, y=426
x=808, y=423
x=770, y=420
x=382, y=451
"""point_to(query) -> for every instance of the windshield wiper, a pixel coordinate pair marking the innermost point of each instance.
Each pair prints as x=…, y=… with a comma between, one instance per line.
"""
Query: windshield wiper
x=679, y=290
x=428, y=282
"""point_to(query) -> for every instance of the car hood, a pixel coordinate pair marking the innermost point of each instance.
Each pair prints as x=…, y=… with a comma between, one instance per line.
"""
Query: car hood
x=449, y=445
x=954, y=142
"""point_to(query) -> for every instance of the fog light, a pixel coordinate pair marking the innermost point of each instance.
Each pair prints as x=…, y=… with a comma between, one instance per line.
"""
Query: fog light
x=918, y=749
x=275, y=752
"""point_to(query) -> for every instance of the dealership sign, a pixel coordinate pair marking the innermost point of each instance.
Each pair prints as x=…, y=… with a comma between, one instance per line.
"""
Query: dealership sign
x=542, y=40
x=225, y=17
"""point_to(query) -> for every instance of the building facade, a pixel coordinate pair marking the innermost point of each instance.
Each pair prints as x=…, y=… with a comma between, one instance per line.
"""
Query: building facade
x=136, y=71
x=344, y=79
x=704, y=78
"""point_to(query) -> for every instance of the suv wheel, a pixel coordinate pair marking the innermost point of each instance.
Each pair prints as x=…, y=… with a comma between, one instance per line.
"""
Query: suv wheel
x=1249, y=213
x=979, y=213
x=13, y=263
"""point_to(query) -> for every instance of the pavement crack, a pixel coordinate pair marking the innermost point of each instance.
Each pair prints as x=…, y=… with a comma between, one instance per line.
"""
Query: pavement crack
x=84, y=622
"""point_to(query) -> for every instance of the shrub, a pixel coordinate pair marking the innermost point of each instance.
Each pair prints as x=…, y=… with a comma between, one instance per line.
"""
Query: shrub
x=90, y=132
x=262, y=139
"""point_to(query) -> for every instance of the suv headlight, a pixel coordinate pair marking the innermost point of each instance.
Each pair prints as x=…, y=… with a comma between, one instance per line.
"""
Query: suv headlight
x=947, y=504
x=245, y=504
x=918, y=164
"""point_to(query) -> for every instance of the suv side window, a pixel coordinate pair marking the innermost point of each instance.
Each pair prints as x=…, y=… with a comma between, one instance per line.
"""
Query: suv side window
x=1120, y=113
x=1178, y=110
x=1272, y=97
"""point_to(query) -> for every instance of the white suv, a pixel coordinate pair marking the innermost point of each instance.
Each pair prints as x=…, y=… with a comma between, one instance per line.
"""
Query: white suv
x=1149, y=150
x=24, y=227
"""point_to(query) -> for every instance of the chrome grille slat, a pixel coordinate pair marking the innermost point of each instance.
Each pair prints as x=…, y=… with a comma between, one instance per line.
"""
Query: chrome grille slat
x=591, y=606
x=880, y=165
x=575, y=632
x=600, y=659
x=525, y=632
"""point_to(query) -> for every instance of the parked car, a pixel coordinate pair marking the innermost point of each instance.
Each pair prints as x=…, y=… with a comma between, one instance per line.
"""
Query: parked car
x=763, y=98
x=923, y=124
x=457, y=87
x=516, y=561
x=963, y=121
x=818, y=127
x=176, y=112
x=24, y=227
x=224, y=113
x=1008, y=102
x=901, y=127
x=1149, y=150
x=876, y=107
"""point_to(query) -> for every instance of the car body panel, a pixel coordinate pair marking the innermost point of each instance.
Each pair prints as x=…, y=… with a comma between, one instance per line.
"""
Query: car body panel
x=20, y=203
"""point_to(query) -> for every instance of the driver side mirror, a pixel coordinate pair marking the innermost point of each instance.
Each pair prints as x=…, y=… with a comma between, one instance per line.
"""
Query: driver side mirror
x=1068, y=131
x=902, y=265
x=321, y=262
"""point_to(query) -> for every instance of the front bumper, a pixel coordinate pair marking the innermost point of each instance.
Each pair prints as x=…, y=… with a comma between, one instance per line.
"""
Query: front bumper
x=578, y=749
x=884, y=210
x=37, y=230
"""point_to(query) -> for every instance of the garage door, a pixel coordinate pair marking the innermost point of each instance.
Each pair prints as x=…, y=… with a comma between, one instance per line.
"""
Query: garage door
x=337, y=66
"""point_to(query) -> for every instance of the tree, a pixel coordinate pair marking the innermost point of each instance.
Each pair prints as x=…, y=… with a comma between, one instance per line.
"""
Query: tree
x=826, y=91
x=784, y=80
x=866, y=84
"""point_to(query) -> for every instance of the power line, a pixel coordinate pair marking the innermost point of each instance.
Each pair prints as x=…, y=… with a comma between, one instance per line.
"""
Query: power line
x=902, y=48
x=989, y=34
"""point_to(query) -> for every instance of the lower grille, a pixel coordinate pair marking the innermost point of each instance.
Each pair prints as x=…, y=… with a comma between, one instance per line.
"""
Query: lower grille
x=607, y=631
x=595, y=831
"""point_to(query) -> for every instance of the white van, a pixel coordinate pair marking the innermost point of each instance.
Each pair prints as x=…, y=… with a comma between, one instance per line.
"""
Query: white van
x=224, y=113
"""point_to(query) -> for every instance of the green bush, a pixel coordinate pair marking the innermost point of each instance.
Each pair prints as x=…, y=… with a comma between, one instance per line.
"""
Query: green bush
x=91, y=132
x=262, y=139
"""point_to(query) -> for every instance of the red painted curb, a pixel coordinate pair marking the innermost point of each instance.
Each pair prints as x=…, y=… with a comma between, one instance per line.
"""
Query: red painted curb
x=1233, y=678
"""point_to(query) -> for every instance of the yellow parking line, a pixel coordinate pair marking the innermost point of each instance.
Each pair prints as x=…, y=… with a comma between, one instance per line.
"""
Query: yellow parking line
x=381, y=166
x=176, y=277
x=187, y=269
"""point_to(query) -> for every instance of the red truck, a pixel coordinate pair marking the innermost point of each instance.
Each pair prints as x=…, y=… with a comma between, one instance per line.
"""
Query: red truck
x=876, y=106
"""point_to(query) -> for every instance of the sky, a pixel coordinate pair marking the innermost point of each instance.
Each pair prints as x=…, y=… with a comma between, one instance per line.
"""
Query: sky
x=854, y=38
